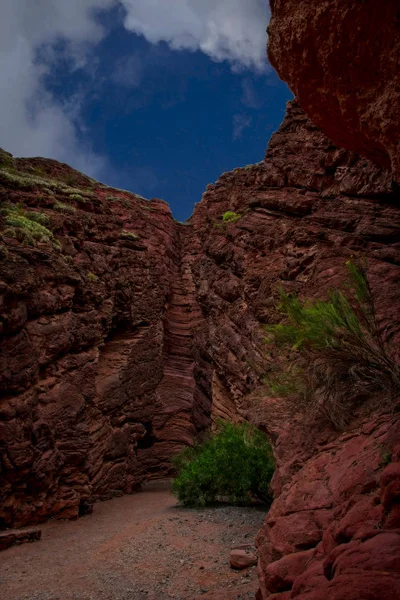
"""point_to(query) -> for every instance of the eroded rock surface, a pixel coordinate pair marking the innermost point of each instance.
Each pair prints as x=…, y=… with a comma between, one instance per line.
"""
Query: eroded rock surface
x=303, y=212
x=15, y=537
x=332, y=531
x=97, y=369
x=342, y=61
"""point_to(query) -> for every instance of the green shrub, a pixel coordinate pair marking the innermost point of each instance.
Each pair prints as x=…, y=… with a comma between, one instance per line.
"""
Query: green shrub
x=335, y=355
x=92, y=277
x=235, y=464
x=69, y=260
x=27, y=181
x=386, y=458
x=231, y=217
x=64, y=208
x=77, y=197
x=6, y=159
x=28, y=227
x=38, y=217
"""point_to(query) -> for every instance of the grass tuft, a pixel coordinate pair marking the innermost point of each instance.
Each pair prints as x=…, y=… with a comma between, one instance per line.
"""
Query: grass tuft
x=92, y=277
x=64, y=208
x=129, y=235
x=28, y=227
x=28, y=182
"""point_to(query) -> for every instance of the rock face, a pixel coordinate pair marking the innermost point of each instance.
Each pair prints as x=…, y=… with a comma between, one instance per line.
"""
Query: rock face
x=97, y=369
x=132, y=336
x=13, y=537
x=332, y=531
x=342, y=61
x=303, y=211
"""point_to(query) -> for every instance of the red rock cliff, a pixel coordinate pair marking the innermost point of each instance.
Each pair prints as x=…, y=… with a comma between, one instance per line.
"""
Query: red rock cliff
x=97, y=369
x=333, y=529
x=342, y=61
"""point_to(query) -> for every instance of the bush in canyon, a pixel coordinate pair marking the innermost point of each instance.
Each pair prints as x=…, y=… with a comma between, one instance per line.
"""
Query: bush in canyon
x=335, y=355
x=235, y=465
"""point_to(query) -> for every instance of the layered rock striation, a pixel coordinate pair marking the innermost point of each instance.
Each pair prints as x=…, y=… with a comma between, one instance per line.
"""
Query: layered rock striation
x=332, y=531
x=97, y=369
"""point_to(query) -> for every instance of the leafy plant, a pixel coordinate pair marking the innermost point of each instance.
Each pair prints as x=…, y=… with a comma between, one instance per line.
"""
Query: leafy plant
x=92, y=277
x=336, y=356
x=38, y=217
x=235, y=464
x=69, y=260
x=231, y=217
x=386, y=458
x=6, y=159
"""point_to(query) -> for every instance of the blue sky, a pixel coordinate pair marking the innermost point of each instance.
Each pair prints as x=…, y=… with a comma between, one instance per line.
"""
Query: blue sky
x=160, y=104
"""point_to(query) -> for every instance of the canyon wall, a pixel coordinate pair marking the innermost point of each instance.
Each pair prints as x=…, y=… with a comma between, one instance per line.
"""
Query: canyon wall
x=342, y=62
x=97, y=366
x=332, y=531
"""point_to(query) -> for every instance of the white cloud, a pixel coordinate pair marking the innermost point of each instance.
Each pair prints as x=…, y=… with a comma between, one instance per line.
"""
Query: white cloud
x=231, y=30
x=240, y=123
x=249, y=94
x=32, y=122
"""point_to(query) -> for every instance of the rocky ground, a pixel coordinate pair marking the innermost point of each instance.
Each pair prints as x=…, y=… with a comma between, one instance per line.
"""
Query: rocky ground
x=141, y=547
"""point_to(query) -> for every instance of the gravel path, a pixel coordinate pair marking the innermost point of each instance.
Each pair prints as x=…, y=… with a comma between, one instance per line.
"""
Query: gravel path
x=141, y=547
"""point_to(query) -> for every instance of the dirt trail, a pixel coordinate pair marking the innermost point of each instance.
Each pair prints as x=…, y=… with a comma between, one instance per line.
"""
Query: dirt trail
x=141, y=547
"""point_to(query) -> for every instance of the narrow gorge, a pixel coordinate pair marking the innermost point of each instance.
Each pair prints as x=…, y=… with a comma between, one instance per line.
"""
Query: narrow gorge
x=126, y=334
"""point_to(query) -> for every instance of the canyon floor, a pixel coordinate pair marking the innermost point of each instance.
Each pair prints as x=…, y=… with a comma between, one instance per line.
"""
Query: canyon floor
x=140, y=547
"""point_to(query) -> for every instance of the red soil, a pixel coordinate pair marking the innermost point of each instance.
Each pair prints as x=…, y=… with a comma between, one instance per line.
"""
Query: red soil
x=141, y=547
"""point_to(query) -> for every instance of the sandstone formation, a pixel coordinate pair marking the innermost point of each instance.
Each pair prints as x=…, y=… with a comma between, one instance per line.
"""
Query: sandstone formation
x=14, y=537
x=342, y=61
x=128, y=334
x=243, y=557
x=97, y=363
x=304, y=211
